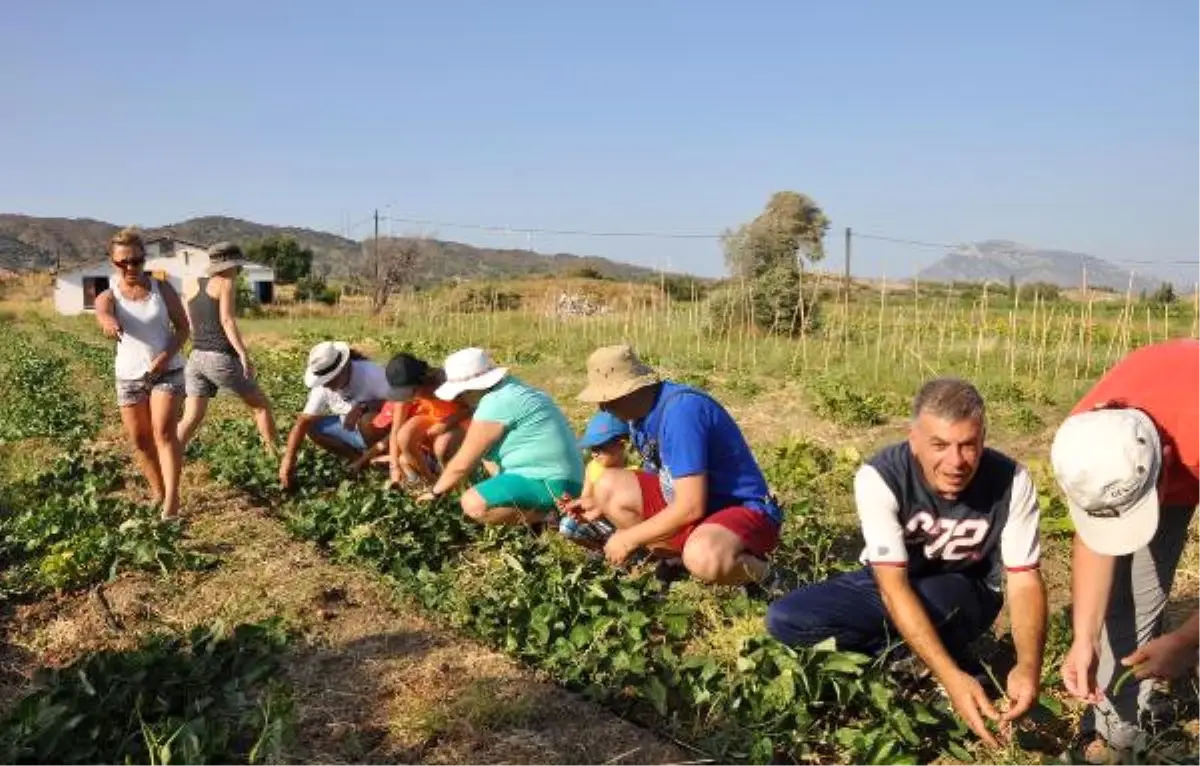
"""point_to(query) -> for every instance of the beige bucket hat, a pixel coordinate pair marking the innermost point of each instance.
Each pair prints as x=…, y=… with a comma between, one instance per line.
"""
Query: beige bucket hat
x=616, y=371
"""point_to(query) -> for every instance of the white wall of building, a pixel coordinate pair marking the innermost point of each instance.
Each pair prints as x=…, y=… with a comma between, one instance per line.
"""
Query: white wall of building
x=176, y=262
x=68, y=288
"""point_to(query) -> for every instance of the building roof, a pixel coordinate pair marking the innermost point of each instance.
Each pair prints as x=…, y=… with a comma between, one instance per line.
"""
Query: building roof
x=164, y=238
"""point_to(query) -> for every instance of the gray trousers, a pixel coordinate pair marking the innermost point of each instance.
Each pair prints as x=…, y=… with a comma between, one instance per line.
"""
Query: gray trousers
x=1141, y=586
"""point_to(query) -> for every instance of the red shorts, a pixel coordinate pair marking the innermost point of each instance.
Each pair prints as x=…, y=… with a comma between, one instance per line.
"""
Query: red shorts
x=755, y=529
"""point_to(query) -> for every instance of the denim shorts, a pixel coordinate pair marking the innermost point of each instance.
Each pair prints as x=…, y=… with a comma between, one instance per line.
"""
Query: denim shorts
x=134, y=392
x=331, y=426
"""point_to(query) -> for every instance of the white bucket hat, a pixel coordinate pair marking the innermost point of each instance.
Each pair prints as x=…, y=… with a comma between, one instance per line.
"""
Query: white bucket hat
x=325, y=361
x=1107, y=463
x=470, y=369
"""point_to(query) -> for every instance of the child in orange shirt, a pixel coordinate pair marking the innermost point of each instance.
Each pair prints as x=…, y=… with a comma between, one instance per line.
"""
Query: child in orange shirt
x=426, y=431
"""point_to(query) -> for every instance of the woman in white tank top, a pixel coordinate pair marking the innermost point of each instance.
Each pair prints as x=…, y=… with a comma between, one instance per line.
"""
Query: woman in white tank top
x=148, y=321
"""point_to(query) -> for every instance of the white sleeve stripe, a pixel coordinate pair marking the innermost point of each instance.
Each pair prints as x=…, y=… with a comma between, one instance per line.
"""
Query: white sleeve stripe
x=1020, y=542
x=878, y=514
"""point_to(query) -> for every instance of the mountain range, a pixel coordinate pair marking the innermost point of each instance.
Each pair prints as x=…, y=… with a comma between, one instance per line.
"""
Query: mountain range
x=998, y=260
x=29, y=243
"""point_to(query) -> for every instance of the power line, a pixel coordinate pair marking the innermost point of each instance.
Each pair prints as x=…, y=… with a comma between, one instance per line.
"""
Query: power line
x=915, y=242
x=559, y=232
x=535, y=231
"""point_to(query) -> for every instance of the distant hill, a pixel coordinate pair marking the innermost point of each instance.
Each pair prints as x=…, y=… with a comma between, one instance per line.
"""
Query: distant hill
x=997, y=260
x=29, y=243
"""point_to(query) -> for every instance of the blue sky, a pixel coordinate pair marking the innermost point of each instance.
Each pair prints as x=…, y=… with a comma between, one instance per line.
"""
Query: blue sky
x=1068, y=124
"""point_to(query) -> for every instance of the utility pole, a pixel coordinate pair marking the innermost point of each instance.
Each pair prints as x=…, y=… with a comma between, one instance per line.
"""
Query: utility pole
x=848, y=235
x=375, y=248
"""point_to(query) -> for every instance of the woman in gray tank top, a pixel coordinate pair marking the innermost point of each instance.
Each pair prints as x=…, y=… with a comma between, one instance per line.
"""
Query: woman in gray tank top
x=146, y=318
x=219, y=359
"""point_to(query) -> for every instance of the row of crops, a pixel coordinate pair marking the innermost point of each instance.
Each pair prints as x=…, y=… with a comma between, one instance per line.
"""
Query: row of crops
x=207, y=696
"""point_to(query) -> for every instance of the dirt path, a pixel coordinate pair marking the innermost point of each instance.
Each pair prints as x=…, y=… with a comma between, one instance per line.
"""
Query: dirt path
x=373, y=680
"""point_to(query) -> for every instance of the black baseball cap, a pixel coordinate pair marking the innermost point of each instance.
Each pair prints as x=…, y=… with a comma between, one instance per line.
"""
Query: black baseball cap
x=405, y=370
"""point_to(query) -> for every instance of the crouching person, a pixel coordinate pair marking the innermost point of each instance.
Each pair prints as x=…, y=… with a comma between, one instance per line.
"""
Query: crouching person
x=699, y=496
x=943, y=518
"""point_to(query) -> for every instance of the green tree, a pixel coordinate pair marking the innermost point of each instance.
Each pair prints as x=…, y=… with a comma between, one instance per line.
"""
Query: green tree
x=1164, y=294
x=768, y=255
x=285, y=255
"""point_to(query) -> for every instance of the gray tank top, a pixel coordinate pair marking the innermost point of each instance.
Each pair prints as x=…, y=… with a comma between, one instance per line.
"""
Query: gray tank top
x=207, y=332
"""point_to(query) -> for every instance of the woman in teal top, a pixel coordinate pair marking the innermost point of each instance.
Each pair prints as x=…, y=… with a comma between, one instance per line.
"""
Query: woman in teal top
x=520, y=432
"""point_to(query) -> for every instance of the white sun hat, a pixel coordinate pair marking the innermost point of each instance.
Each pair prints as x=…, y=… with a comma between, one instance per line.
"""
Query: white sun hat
x=1107, y=463
x=325, y=361
x=470, y=369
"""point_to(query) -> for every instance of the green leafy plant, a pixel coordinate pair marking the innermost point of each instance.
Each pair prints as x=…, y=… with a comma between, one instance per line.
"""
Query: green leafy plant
x=208, y=697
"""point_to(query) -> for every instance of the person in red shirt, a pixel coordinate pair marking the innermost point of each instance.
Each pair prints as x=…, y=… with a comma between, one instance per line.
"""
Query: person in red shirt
x=1128, y=460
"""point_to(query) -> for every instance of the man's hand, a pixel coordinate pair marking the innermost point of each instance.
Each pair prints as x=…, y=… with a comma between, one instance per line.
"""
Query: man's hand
x=972, y=704
x=286, y=474
x=1079, y=672
x=619, y=548
x=247, y=368
x=1166, y=658
x=351, y=418
x=1023, y=685
x=111, y=327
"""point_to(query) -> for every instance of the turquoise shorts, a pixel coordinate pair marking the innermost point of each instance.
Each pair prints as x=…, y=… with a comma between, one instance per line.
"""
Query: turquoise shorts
x=511, y=490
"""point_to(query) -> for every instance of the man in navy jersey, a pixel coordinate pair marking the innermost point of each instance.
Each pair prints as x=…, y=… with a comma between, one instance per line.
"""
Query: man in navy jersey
x=944, y=519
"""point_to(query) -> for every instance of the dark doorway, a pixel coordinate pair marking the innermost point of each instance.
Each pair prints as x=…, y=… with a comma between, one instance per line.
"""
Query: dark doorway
x=93, y=286
x=264, y=292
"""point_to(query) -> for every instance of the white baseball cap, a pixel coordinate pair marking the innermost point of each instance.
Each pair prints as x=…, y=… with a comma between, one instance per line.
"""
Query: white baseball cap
x=1107, y=463
x=470, y=369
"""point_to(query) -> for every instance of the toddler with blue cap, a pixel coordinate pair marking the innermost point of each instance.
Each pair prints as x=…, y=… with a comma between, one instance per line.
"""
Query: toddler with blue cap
x=605, y=438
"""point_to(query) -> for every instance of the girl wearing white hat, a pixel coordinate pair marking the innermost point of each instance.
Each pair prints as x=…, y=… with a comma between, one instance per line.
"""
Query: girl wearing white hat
x=342, y=414
x=519, y=429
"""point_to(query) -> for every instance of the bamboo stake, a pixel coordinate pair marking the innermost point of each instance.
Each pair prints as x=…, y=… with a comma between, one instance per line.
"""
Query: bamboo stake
x=879, y=326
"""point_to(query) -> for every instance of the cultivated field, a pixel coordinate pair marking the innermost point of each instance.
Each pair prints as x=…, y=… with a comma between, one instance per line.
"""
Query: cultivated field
x=345, y=624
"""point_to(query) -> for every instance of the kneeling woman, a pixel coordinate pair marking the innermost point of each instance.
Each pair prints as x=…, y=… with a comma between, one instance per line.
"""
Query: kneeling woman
x=520, y=431
x=347, y=392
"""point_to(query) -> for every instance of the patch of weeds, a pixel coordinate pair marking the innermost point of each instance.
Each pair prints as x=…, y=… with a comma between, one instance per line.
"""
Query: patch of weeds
x=845, y=403
x=694, y=379
x=1023, y=419
x=1055, y=516
x=744, y=386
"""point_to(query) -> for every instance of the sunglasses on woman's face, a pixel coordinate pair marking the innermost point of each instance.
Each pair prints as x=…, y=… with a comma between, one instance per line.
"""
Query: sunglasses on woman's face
x=129, y=264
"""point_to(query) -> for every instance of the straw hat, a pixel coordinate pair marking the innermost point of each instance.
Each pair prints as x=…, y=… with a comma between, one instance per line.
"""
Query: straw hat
x=616, y=371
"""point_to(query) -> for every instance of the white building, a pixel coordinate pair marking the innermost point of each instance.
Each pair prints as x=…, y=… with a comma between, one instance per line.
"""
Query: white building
x=174, y=260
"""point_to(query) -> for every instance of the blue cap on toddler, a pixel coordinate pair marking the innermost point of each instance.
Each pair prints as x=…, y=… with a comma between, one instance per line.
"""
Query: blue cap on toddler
x=602, y=429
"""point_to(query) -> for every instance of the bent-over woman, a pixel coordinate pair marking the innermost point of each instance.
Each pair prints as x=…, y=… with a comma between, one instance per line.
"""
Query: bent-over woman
x=520, y=430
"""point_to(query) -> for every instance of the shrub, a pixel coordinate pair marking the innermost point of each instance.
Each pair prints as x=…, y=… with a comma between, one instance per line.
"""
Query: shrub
x=315, y=289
